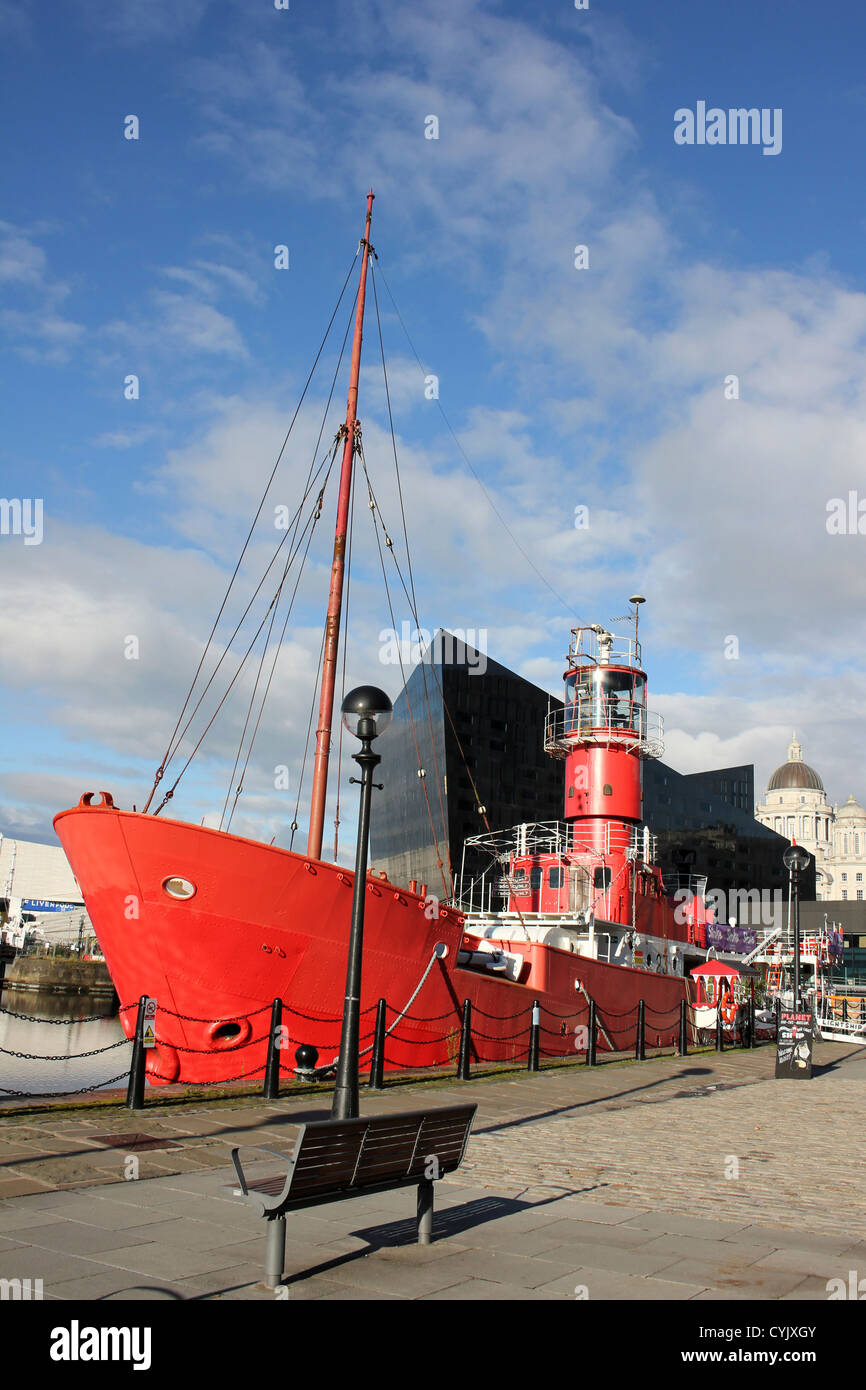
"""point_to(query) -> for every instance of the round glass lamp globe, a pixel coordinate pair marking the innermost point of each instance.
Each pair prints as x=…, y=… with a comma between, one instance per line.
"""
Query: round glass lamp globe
x=367, y=711
x=796, y=858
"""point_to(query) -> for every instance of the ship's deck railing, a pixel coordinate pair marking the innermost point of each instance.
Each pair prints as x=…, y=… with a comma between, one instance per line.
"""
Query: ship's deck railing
x=583, y=722
x=585, y=649
x=536, y=839
x=676, y=882
x=558, y=837
x=777, y=944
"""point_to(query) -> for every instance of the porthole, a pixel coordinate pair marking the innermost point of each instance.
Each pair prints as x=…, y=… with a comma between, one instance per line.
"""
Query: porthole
x=226, y=1030
x=179, y=887
x=229, y=1033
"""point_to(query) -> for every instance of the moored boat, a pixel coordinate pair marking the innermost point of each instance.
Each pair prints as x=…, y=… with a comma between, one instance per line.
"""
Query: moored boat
x=215, y=926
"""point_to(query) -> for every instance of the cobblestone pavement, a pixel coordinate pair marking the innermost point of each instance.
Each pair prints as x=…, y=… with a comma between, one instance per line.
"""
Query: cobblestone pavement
x=691, y=1178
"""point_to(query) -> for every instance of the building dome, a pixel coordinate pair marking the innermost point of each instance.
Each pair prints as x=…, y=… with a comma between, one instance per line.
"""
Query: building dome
x=795, y=773
x=851, y=811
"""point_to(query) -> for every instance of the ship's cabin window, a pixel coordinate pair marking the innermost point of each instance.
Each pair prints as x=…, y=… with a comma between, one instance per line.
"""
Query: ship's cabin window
x=535, y=877
x=518, y=878
x=555, y=878
x=601, y=878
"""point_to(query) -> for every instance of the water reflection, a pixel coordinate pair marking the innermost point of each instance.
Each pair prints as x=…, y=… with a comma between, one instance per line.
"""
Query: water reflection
x=51, y=1026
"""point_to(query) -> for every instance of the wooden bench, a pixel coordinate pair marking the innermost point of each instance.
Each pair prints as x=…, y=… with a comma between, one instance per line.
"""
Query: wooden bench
x=337, y=1159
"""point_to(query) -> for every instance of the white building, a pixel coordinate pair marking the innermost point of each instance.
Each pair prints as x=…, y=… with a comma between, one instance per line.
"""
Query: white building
x=796, y=806
x=34, y=879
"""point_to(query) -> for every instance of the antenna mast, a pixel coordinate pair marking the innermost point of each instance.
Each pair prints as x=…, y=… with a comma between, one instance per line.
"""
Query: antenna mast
x=335, y=595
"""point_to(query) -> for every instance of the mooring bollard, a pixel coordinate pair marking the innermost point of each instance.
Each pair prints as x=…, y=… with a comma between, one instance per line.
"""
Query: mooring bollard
x=593, y=1035
x=135, y=1089
x=465, y=1042
x=534, y=1032
x=271, y=1088
x=640, y=1040
x=683, y=1045
x=377, y=1065
x=720, y=1041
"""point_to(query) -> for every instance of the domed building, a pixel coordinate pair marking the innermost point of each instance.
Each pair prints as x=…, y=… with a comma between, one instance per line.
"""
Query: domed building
x=849, y=857
x=796, y=806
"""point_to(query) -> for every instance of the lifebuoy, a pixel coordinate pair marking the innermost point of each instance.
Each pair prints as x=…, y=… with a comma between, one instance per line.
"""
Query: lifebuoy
x=729, y=1009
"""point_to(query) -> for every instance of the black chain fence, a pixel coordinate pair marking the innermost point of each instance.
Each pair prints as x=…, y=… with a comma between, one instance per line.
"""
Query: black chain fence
x=458, y=1045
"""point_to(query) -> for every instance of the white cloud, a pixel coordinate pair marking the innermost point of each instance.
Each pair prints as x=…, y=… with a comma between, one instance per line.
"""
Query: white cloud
x=33, y=323
x=132, y=22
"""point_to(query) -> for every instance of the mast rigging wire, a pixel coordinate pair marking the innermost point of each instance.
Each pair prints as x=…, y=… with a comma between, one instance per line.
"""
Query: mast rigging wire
x=170, y=793
x=389, y=545
x=168, y=753
x=294, y=594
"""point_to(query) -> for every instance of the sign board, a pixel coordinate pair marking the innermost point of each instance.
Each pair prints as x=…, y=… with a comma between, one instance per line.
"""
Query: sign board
x=150, y=1023
x=48, y=905
x=740, y=940
x=794, y=1046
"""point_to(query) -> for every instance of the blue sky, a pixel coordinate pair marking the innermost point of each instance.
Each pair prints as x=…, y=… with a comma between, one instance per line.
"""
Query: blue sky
x=600, y=387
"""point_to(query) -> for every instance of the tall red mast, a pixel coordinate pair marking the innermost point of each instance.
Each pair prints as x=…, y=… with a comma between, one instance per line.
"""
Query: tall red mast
x=335, y=596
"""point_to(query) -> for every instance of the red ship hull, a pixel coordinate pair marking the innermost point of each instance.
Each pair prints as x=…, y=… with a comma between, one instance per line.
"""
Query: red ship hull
x=265, y=922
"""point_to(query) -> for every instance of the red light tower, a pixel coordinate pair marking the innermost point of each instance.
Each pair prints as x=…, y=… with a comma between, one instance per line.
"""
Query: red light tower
x=604, y=732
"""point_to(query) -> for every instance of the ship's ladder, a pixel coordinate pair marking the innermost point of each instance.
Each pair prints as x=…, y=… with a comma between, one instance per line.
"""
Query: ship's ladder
x=774, y=978
x=762, y=946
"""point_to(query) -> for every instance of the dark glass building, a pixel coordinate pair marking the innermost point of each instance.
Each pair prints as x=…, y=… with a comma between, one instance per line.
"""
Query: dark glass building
x=703, y=822
x=485, y=751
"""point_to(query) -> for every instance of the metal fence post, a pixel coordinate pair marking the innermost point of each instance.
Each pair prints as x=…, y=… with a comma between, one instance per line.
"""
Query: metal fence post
x=593, y=1035
x=135, y=1089
x=465, y=1042
x=683, y=1046
x=377, y=1065
x=271, y=1088
x=534, y=1031
x=640, y=1040
x=720, y=1041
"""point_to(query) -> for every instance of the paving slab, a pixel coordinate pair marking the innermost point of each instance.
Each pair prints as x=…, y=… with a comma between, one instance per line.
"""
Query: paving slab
x=596, y=1284
x=600, y=1255
x=684, y=1247
x=805, y=1262
x=110, y=1284
x=74, y=1238
x=165, y=1261
x=477, y=1290
x=754, y=1282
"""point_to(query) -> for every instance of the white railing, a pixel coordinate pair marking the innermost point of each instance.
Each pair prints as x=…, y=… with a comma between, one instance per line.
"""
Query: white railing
x=564, y=838
x=594, y=646
x=637, y=728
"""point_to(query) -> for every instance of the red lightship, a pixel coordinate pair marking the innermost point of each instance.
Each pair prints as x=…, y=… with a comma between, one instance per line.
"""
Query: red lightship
x=215, y=926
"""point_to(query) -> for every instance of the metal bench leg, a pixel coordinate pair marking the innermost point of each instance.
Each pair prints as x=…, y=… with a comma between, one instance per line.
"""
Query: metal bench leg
x=275, y=1252
x=425, y=1211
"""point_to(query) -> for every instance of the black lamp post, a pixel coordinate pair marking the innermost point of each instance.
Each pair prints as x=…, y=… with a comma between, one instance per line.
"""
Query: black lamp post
x=366, y=713
x=796, y=860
